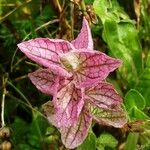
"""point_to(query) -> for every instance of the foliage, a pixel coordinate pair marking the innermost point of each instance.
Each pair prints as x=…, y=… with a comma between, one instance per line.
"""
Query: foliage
x=119, y=28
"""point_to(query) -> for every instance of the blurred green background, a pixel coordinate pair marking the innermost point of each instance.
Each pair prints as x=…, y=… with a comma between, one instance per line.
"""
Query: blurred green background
x=119, y=28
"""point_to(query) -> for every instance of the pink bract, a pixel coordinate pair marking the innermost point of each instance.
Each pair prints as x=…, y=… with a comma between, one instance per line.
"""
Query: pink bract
x=73, y=75
x=84, y=39
x=68, y=103
x=88, y=67
x=45, y=80
x=95, y=107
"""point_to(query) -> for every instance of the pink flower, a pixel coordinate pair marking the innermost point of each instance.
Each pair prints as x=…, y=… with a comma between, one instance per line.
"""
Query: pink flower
x=76, y=108
x=77, y=59
x=74, y=75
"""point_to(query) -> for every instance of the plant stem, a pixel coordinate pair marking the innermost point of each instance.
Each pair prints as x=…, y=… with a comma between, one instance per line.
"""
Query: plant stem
x=3, y=107
x=72, y=19
x=20, y=78
x=23, y=103
x=19, y=92
x=12, y=11
x=83, y=7
x=4, y=80
x=56, y=6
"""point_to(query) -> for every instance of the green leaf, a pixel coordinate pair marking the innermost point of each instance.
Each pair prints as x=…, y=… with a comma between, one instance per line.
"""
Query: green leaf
x=107, y=140
x=137, y=114
x=19, y=129
x=30, y=136
x=37, y=130
x=100, y=147
x=132, y=141
x=88, y=2
x=118, y=36
x=144, y=82
x=89, y=143
x=108, y=10
x=121, y=37
x=134, y=98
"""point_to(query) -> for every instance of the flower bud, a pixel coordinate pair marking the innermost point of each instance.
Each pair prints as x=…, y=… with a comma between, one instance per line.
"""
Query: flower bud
x=4, y=132
x=6, y=145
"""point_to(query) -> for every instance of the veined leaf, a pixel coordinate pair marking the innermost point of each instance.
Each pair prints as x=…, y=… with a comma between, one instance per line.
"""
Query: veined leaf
x=116, y=118
x=121, y=37
x=134, y=98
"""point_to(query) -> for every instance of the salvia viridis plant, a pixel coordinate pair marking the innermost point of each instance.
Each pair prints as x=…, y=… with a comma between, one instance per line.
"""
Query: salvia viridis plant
x=74, y=74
